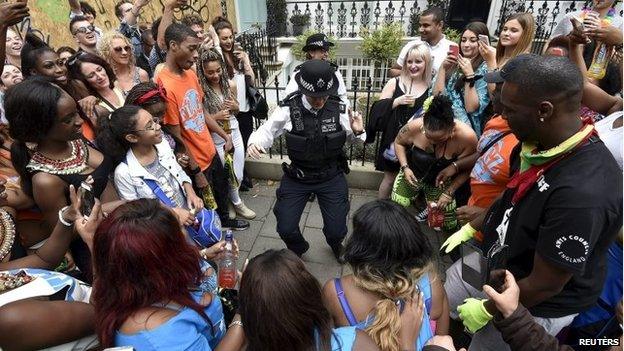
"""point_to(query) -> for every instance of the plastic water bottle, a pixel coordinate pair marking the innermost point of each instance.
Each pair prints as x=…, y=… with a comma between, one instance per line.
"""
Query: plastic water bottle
x=227, y=265
x=598, y=67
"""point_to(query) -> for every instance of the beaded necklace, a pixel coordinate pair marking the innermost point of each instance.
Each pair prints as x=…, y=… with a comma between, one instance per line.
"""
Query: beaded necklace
x=76, y=163
x=7, y=232
x=606, y=21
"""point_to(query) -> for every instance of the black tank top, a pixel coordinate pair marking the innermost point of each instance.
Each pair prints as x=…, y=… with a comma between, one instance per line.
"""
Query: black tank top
x=425, y=165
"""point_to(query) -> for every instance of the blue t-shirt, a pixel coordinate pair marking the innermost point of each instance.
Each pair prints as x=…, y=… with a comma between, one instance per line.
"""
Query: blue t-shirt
x=185, y=331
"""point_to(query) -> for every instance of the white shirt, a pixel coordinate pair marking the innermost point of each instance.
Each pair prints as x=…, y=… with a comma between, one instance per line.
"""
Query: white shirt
x=611, y=137
x=438, y=51
x=279, y=122
x=129, y=175
x=342, y=88
x=564, y=27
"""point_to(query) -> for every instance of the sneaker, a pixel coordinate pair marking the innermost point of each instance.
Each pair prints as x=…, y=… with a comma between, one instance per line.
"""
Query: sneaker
x=244, y=211
x=307, y=247
x=231, y=211
x=422, y=215
x=235, y=224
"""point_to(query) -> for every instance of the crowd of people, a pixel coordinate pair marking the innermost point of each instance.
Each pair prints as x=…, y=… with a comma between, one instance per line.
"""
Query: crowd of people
x=123, y=158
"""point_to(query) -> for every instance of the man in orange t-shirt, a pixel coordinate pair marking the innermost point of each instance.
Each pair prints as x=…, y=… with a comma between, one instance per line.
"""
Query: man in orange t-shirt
x=185, y=118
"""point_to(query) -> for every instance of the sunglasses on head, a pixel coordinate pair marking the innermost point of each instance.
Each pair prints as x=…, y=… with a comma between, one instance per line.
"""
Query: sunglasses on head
x=119, y=49
x=72, y=60
x=84, y=30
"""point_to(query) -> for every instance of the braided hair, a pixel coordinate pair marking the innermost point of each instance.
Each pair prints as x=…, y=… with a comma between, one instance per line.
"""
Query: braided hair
x=139, y=91
x=212, y=101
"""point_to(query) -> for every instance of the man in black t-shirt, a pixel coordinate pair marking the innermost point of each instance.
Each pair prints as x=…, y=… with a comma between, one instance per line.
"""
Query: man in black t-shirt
x=561, y=210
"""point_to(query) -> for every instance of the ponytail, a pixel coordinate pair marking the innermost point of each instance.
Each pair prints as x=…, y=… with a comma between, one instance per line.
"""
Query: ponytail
x=20, y=157
x=112, y=131
x=387, y=320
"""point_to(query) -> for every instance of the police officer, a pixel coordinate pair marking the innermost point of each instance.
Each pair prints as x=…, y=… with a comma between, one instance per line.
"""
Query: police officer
x=317, y=48
x=317, y=125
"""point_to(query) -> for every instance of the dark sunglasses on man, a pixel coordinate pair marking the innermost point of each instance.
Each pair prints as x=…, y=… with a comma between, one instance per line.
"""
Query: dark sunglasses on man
x=84, y=30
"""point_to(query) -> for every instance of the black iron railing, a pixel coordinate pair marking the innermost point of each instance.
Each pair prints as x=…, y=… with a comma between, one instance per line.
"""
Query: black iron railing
x=262, y=50
x=345, y=19
x=547, y=14
x=360, y=100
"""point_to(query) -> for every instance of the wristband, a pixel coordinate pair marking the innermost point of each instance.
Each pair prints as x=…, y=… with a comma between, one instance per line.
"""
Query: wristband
x=404, y=167
x=61, y=219
x=194, y=172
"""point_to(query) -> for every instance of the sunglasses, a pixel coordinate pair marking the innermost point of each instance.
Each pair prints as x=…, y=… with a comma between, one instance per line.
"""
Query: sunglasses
x=119, y=49
x=72, y=60
x=84, y=30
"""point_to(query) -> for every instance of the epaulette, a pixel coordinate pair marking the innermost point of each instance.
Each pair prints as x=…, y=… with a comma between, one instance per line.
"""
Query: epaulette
x=289, y=98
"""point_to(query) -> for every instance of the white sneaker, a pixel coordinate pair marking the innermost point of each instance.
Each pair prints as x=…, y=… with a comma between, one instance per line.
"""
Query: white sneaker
x=231, y=211
x=244, y=211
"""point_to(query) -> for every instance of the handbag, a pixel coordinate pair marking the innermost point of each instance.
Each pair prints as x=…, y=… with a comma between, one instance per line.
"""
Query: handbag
x=257, y=103
x=207, y=228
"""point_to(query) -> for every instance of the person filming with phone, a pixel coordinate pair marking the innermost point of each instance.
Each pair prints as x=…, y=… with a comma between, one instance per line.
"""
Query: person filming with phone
x=461, y=77
x=560, y=212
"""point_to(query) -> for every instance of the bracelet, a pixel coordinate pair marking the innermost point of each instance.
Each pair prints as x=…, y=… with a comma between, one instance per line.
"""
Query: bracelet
x=448, y=196
x=404, y=167
x=194, y=172
x=61, y=219
x=239, y=323
x=455, y=165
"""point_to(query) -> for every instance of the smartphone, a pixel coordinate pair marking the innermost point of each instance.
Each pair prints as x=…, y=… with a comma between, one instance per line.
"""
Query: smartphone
x=577, y=24
x=485, y=39
x=87, y=200
x=454, y=50
x=474, y=266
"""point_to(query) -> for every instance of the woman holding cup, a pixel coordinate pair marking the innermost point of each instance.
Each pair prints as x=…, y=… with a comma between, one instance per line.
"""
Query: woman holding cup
x=400, y=101
x=461, y=77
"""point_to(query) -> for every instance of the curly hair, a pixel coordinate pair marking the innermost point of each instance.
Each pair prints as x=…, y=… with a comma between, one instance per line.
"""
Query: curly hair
x=212, y=101
x=141, y=89
x=440, y=114
x=112, y=131
x=105, y=49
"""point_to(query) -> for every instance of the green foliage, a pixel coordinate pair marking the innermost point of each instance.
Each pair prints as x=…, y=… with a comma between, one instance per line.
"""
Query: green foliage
x=452, y=34
x=300, y=20
x=382, y=44
x=300, y=43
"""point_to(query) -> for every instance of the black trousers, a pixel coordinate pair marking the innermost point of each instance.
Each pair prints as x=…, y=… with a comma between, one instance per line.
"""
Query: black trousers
x=292, y=197
x=216, y=176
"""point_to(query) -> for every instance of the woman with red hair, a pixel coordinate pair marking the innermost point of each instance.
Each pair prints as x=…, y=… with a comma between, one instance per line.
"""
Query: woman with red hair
x=152, y=291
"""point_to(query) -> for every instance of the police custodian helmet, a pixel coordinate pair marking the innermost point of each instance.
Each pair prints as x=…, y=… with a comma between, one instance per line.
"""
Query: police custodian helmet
x=317, y=78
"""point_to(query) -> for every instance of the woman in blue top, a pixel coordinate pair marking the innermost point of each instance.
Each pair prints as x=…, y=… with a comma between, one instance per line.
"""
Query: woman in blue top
x=151, y=291
x=281, y=308
x=461, y=79
x=391, y=262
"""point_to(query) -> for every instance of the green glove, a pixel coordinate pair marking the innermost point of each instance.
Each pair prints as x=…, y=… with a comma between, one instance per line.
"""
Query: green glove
x=464, y=234
x=473, y=314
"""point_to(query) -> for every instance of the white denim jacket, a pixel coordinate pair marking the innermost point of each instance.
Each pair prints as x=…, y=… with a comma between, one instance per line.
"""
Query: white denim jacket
x=129, y=174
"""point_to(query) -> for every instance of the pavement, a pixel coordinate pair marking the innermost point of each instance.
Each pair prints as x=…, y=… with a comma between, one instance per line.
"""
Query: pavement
x=319, y=260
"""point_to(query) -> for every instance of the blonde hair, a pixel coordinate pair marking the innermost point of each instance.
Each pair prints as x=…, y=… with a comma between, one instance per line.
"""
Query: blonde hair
x=422, y=51
x=527, y=22
x=105, y=49
x=401, y=286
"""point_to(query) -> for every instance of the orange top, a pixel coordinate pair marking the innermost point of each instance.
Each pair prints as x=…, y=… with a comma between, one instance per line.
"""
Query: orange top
x=88, y=132
x=491, y=173
x=185, y=108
